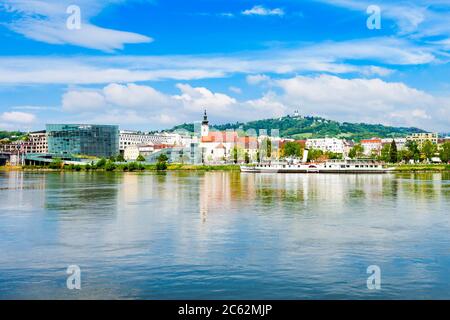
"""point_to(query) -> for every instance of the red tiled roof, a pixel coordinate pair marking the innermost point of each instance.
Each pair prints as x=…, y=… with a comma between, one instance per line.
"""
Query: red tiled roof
x=162, y=146
x=220, y=136
x=370, y=141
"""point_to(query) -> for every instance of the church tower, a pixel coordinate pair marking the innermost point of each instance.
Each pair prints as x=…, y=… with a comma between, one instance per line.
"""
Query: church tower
x=205, y=125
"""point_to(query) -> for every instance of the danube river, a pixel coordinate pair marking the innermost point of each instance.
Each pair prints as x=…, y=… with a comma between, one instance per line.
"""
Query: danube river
x=224, y=235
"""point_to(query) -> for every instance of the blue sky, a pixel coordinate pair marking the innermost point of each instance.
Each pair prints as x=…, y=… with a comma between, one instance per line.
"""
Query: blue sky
x=151, y=64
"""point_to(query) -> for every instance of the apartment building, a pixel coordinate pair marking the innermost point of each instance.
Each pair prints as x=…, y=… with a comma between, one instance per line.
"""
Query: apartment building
x=420, y=138
x=326, y=145
x=130, y=138
x=36, y=143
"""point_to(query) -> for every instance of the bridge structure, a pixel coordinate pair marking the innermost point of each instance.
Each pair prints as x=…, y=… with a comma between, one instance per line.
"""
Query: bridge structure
x=47, y=158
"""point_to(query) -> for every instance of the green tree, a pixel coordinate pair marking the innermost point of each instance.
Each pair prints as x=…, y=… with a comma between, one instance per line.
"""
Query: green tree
x=428, y=149
x=235, y=153
x=110, y=165
x=120, y=158
x=291, y=149
x=162, y=158
x=314, y=154
x=356, y=152
x=247, y=157
x=56, y=164
x=101, y=163
x=444, y=152
x=140, y=158
x=393, y=156
x=267, y=147
x=333, y=155
x=133, y=166
x=385, y=153
x=413, y=148
x=161, y=165
x=404, y=155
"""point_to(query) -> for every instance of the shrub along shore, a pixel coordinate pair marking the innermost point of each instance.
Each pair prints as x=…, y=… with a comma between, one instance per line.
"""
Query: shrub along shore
x=421, y=167
x=128, y=167
x=136, y=167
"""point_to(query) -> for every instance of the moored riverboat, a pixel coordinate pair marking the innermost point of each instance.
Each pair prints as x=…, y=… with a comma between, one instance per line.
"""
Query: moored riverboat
x=332, y=166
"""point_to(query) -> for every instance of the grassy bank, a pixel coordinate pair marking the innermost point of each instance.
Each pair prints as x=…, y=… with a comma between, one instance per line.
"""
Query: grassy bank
x=422, y=167
x=131, y=167
x=136, y=167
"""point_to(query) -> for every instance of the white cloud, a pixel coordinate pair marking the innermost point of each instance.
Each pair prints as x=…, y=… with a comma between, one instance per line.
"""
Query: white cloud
x=35, y=108
x=268, y=106
x=330, y=57
x=135, y=96
x=93, y=70
x=257, y=79
x=45, y=21
x=235, y=90
x=138, y=104
x=89, y=36
x=82, y=100
x=16, y=117
x=416, y=18
x=347, y=100
x=197, y=99
x=363, y=100
x=227, y=15
x=262, y=11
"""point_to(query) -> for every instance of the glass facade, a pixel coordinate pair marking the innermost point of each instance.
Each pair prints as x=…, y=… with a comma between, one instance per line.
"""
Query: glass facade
x=80, y=139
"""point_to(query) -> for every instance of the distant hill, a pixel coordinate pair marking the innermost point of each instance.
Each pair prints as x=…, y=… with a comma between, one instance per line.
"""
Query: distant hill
x=315, y=127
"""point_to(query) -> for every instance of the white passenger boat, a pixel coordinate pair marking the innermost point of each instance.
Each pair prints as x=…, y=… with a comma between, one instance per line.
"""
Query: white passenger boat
x=332, y=166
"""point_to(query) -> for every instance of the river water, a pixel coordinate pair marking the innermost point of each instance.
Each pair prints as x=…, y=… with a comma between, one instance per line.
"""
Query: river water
x=224, y=235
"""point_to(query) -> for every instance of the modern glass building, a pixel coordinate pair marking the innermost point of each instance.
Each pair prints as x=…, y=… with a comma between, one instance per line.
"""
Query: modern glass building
x=82, y=139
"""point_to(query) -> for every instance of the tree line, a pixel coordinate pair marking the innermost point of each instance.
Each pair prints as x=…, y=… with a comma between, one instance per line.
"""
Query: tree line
x=389, y=152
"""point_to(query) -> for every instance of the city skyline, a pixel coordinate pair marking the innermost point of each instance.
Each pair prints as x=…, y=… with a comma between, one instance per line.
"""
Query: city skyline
x=150, y=65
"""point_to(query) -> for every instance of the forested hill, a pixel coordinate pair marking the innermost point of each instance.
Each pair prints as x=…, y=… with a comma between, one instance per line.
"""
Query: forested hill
x=316, y=127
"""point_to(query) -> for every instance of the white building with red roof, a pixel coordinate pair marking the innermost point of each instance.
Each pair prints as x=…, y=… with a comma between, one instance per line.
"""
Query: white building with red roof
x=372, y=146
x=217, y=146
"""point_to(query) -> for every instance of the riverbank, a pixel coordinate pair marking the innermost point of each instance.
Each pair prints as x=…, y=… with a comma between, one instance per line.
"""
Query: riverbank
x=127, y=168
x=189, y=167
x=422, y=168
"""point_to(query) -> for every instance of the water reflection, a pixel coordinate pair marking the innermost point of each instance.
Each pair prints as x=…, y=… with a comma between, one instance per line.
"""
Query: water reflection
x=224, y=235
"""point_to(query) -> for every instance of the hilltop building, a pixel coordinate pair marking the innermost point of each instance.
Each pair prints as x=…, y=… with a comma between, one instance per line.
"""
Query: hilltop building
x=297, y=114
